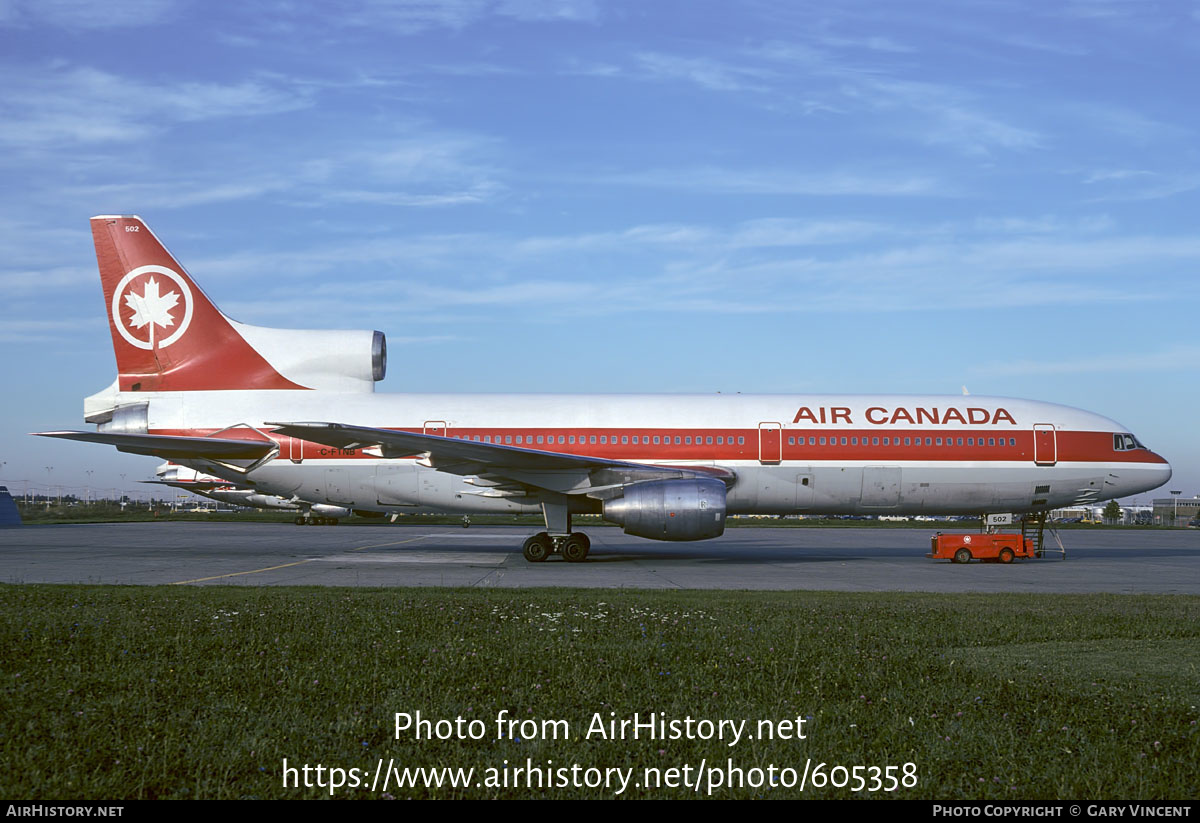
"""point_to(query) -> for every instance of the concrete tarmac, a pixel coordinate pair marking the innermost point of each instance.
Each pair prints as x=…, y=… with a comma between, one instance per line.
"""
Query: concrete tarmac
x=877, y=559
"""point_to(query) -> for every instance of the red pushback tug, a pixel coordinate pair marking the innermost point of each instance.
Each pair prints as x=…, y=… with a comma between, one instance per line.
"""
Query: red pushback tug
x=962, y=548
x=992, y=545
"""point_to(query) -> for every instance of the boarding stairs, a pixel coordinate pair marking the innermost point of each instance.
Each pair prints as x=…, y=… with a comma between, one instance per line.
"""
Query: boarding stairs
x=1034, y=526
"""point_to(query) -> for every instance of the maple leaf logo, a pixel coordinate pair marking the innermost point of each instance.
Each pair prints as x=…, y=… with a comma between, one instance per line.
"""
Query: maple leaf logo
x=151, y=307
x=158, y=316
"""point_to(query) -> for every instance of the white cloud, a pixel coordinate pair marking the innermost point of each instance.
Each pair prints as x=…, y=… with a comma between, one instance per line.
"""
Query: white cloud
x=37, y=281
x=934, y=113
x=427, y=167
x=172, y=194
x=766, y=266
x=423, y=167
x=1121, y=122
x=402, y=198
x=876, y=43
x=86, y=14
x=415, y=16
x=19, y=330
x=1045, y=44
x=549, y=11
x=1134, y=185
x=65, y=105
x=702, y=71
x=947, y=117
x=778, y=181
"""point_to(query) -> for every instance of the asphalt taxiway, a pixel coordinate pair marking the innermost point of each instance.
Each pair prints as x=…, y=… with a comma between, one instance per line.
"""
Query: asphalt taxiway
x=260, y=554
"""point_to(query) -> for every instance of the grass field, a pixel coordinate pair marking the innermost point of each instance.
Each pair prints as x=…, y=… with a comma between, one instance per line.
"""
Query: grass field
x=145, y=692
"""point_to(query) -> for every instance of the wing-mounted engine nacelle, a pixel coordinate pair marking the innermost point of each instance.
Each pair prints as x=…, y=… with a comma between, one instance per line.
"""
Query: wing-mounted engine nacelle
x=670, y=509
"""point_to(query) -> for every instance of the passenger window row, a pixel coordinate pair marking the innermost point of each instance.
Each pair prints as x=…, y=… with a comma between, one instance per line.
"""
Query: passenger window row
x=604, y=439
x=907, y=441
x=1120, y=441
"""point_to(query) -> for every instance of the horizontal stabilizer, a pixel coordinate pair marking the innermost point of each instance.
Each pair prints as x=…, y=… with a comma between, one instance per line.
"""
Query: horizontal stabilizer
x=174, y=448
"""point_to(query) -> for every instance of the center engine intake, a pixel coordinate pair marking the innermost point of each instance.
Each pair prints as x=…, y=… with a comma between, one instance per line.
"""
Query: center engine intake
x=670, y=509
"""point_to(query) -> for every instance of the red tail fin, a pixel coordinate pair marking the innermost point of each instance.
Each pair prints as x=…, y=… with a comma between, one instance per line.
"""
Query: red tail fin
x=167, y=334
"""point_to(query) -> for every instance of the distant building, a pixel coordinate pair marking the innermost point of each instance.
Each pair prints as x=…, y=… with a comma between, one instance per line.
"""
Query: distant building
x=1076, y=513
x=1130, y=515
x=1176, y=511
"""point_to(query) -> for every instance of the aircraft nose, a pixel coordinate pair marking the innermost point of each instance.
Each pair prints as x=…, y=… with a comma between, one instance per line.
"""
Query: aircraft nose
x=1154, y=476
x=1163, y=473
x=1145, y=477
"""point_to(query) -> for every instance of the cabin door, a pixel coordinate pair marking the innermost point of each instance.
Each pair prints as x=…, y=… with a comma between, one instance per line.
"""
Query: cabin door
x=770, y=443
x=1045, y=444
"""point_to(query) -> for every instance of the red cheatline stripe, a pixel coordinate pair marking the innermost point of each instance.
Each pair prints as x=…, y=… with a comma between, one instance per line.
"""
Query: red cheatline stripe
x=1075, y=447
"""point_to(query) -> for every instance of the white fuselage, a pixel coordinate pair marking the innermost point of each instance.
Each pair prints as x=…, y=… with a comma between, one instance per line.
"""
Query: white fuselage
x=870, y=454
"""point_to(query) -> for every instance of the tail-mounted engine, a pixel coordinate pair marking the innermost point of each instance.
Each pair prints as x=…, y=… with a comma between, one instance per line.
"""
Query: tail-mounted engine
x=670, y=509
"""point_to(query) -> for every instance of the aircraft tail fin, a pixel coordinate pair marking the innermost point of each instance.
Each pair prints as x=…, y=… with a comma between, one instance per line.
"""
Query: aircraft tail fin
x=169, y=336
x=9, y=514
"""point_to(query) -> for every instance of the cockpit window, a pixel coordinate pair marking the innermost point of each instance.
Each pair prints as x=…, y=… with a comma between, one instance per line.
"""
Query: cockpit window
x=1126, y=442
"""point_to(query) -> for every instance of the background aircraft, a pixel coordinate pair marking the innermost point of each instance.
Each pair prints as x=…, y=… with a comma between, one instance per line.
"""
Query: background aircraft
x=225, y=491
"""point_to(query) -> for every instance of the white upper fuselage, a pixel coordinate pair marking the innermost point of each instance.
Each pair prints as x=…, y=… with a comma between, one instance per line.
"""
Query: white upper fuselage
x=180, y=410
x=865, y=452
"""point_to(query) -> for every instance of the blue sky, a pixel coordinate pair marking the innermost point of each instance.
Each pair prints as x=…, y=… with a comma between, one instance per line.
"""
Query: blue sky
x=622, y=196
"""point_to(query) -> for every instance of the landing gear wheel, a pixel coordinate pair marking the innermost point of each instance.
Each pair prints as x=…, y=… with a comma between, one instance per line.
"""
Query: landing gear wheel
x=537, y=548
x=1006, y=555
x=575, y=548
x=962, y=556
x=466, y=524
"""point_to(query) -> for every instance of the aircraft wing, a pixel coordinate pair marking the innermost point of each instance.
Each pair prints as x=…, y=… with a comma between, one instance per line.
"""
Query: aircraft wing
x=175, y=448
x=555, y=471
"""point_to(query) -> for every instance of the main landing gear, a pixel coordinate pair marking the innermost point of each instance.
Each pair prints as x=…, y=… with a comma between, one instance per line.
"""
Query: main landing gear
x=301, y=520
x=573, y=547
x=558, y=538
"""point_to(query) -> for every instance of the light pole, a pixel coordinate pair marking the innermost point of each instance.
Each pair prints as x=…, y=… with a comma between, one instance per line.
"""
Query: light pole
x=49, y=487
x=1175, y=507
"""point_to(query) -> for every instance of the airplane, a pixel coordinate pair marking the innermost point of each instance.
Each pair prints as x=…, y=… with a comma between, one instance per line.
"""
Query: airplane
x=224, y=491
x=293, y=413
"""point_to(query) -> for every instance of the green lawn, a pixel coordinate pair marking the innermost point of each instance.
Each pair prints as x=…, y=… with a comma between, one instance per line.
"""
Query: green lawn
x=170, y=692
